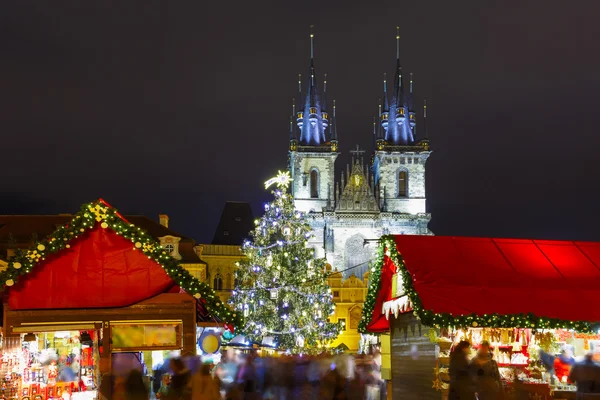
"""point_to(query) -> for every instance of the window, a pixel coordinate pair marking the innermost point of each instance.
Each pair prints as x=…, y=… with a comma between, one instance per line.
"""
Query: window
x=218, y=282
x=402, y=160
x=314, y=184
x=336, y=293
x=342, y=322
x=170, y=248
x=402, y=184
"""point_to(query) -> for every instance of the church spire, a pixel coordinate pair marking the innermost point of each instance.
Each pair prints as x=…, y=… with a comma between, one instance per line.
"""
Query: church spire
x=398, y=131
x=313, y=119
x=398, y=79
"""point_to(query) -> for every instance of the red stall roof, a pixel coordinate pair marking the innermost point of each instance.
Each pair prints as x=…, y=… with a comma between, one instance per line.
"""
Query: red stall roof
x=460, y=276
x=99, y=260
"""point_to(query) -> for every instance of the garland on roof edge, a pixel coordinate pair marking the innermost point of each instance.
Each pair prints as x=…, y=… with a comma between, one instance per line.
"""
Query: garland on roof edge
x=97, y=213
x=387, y=248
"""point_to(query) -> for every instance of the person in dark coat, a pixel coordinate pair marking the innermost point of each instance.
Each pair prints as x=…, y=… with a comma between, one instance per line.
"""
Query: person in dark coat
x=461, y=384
x=586, y=375
x=180, y=386
x=135, y=389
x=487, y=377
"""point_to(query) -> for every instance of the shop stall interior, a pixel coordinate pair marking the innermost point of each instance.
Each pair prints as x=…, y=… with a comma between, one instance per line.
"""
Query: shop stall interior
x=534, y=361
x=48, y=365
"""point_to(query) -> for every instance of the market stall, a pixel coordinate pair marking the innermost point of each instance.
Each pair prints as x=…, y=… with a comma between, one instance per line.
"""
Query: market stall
x=98, y=288
x=527, y=298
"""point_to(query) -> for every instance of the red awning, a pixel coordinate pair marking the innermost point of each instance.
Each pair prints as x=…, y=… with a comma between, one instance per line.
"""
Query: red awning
x=100, y=269
x=464, y=276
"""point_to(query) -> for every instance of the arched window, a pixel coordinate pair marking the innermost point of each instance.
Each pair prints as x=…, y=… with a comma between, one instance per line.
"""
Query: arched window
x=218, y=282
x=402, y=183
x=314, y=184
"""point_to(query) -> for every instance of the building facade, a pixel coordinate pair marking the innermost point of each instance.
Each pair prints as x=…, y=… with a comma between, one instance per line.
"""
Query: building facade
x=384, y=194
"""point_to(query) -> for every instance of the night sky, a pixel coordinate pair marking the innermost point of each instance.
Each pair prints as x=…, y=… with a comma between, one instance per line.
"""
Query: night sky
x=175, y=107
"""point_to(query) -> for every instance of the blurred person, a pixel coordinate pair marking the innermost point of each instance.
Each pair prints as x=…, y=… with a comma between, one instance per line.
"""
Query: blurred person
x=357, y=389
x=226, y=370
x=313, y=374
x=485, y=372
x=563, y=363
x=332, y=385
x=179, y=387
x=248, y=379
x=461, y=384
x=158, y=373
x=106, y=380
x=135, y=388
x=204, y=387
x=586, y=374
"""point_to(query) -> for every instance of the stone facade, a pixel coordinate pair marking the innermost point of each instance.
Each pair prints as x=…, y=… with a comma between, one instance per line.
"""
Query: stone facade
x=359, y=211
x=390, y=166
x=306, y=167
x=222, y=262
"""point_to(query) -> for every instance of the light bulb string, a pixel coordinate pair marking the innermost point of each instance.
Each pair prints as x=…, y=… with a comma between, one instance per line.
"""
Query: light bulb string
x=308, y=281
x=281, y=243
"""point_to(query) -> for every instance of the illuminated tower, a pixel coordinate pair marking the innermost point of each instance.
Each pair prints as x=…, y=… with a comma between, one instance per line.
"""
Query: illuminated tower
x=312, y=156
x=399, y=161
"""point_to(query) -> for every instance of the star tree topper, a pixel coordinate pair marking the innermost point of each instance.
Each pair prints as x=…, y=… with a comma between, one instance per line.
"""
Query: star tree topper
x=282, y=180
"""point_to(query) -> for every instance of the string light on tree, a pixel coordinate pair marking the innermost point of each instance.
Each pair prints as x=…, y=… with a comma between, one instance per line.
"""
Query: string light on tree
x=283, y=285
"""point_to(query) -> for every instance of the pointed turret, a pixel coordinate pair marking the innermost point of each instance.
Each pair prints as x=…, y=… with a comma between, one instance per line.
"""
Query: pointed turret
x=424, y=143
x=314, y=119
x=293, y=138
x=334, y=138
x=385, y=112
x=300, y=113
x=412, y=118
x=380, y=140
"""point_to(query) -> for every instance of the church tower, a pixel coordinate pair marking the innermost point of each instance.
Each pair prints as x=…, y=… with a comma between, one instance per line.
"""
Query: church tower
x=399, y=160
x=312, y=155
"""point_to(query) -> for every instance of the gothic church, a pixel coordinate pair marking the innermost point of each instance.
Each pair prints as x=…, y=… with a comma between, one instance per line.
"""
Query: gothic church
x=384, y=195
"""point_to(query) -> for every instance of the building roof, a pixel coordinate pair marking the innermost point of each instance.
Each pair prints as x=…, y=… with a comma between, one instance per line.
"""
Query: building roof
x=235, y=224
x=485, y=281
x=22, y=229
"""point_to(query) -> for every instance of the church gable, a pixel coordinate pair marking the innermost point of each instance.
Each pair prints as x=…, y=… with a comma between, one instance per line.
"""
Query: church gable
x=99, y=259
x=358, y=193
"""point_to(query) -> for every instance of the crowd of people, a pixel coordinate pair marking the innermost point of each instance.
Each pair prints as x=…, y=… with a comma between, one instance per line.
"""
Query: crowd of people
x=479, y=378
x=250, y=377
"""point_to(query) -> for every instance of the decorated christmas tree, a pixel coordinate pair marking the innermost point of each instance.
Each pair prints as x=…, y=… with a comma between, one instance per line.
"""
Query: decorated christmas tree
x=281, y=288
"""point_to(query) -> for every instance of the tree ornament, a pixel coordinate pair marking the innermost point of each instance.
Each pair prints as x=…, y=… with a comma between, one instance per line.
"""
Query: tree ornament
x=10, y=282
x=197, y=295
x=17, y=265
x=104, y=225
x=41, y=247
x=138, y=245
x=286, y=231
